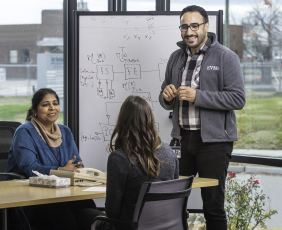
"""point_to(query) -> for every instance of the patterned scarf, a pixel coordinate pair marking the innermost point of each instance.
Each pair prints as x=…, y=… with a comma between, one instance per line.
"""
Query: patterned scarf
x=53, y=138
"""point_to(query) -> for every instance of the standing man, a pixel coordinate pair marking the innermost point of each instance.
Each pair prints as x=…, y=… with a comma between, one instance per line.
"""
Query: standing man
x=203, y=86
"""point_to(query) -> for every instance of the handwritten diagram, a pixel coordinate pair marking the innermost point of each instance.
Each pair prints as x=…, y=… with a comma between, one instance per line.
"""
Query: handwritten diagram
x=106, y=127
x=103, y=76
x=120, y=55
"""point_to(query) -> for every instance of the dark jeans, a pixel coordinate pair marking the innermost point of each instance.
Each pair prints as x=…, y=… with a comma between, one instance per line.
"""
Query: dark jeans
x=209, y=160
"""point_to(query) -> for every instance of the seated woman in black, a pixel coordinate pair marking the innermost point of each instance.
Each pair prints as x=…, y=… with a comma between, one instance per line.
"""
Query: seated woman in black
x=137, y=155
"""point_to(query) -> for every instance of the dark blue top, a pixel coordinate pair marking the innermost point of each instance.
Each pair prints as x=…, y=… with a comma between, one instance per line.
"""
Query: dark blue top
x=30, y=152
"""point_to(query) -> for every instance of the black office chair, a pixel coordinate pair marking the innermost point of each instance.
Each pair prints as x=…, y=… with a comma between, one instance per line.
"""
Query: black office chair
x=160, y=206
x=16, y=216
x=7, y=130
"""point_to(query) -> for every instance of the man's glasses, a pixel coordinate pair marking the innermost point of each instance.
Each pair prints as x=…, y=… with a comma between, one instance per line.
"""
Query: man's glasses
x=193, y=26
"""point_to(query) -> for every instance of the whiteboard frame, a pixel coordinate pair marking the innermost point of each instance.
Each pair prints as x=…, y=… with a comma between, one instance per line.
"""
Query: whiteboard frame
x=74, y=121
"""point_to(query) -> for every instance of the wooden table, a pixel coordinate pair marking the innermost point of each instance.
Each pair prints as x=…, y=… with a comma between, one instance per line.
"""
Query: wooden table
x=204, y=182
x=18, y=193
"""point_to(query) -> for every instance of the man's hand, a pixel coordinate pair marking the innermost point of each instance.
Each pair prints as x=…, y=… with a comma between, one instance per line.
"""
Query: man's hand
x=186, y=93
x=169, y=93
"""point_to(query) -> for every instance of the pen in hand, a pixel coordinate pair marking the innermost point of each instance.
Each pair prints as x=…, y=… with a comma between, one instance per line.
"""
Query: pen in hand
x=76, y=163
x=72, y=164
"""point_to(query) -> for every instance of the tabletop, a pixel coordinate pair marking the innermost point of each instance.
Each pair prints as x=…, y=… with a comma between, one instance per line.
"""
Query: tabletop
x=17, y=193
x=200, y=182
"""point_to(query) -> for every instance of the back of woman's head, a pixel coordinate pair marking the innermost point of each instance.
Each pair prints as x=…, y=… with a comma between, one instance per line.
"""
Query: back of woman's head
x=135, y=134
x=37, y=98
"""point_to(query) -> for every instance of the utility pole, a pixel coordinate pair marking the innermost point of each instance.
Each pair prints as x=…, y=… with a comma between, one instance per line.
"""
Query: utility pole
x=226, y=25
x=82, y=5
x=268, y=2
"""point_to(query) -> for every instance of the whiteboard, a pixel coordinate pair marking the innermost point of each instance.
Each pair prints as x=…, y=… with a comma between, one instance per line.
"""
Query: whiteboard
x=120, y=55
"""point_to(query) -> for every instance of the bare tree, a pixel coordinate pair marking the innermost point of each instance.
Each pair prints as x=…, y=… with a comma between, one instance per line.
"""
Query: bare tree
x=263, y=30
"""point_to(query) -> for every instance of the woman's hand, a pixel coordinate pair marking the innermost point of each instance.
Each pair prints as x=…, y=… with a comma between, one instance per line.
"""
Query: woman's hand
x=72, y=165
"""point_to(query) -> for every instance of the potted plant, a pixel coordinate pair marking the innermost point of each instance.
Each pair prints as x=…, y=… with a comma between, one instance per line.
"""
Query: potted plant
x=246, y=204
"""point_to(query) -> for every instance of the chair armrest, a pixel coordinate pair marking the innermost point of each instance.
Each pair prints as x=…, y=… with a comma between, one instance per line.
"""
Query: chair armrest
x=101, y=209
x=11, y=175
x=107, y=219
x=111, y=222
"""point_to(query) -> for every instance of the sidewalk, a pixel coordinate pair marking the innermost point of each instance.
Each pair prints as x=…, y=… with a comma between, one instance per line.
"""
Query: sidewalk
x=17, y=87
x=256, y=169
x=259, y=153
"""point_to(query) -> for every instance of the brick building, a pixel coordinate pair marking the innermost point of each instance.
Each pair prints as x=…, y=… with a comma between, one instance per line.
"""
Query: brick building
x=20, y=44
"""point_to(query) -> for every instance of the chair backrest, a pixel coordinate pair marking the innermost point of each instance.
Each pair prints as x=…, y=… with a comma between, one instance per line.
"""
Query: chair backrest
x=162, y=205
x=16, y=217
x=7, y=130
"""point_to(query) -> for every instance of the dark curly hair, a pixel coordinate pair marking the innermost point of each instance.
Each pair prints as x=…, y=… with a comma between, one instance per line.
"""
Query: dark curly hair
x=194, y=8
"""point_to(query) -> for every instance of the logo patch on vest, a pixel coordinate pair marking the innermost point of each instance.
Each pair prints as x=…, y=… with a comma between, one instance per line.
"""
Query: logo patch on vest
x=212, y=68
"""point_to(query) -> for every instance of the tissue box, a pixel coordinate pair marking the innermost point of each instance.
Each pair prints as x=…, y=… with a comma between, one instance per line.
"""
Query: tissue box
x=49, y=181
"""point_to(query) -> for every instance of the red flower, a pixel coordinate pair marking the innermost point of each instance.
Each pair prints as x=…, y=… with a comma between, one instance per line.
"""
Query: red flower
x=232, y=174
x=256, y=182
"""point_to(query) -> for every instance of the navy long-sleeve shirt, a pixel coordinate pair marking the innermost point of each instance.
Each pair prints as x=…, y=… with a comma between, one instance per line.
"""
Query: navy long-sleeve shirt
x=30, y=152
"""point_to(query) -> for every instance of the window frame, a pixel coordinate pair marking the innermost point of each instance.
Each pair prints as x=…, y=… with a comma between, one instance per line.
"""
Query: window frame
x=71, y=94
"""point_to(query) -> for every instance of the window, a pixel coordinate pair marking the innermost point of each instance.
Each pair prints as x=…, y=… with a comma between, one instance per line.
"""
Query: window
x=92, y=5
x=24, y=56
x=30, y=42
x=13, y=56
x=141, y=5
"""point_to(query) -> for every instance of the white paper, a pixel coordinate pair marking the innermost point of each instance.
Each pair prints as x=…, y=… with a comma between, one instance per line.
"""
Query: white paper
x=95, y=189
x=44, y=176
x=23, y=180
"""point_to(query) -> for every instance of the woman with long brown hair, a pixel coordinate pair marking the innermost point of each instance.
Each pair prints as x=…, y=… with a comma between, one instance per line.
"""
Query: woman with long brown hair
x=137, y=155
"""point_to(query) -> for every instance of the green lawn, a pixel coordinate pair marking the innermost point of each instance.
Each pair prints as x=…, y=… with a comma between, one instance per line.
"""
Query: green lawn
x=15, y=108
x=259, y=123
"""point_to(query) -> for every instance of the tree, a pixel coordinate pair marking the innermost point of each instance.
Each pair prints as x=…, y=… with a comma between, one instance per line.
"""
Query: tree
x=263, y=30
